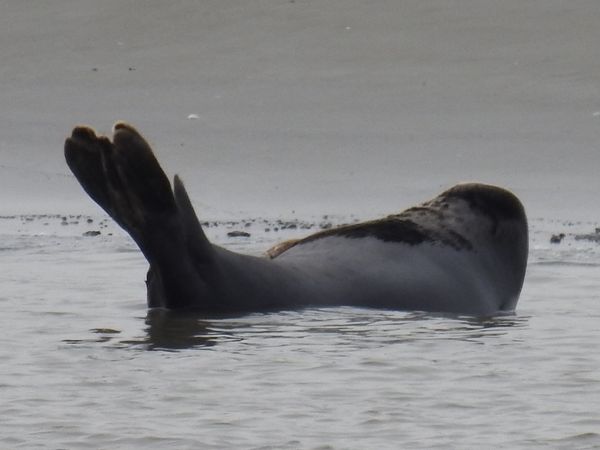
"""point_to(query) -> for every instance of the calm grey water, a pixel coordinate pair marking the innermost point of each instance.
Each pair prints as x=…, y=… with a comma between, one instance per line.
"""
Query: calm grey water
x=84, y=365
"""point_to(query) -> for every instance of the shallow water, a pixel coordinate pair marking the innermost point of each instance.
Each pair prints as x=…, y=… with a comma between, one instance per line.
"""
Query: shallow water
x=84, y=365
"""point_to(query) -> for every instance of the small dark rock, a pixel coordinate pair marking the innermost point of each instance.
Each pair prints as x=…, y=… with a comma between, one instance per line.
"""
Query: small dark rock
x=592, y=237
x=238, y=234
x=557, y=238
x=91, y=233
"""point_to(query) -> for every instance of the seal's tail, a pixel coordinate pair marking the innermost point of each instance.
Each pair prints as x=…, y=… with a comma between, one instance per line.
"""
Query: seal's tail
x=124, y=177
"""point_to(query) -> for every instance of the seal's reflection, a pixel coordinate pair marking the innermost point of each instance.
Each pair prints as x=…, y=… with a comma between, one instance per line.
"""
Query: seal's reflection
x=177, y=330
x=180, y=330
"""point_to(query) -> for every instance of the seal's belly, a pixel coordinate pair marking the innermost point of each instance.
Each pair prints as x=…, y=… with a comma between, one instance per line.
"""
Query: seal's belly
x=371, y=272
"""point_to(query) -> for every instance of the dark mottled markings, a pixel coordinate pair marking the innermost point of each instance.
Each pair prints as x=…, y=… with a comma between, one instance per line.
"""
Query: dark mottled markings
x=427, y=223
x=496, y=203
x=397, y=228
x=402, y=230
x=390, y=230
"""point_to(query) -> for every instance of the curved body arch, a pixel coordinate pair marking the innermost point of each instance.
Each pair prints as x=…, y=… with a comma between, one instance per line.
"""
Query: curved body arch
x=465, y=251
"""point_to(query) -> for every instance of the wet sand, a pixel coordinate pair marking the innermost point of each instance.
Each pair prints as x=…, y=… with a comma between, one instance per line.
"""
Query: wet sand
x=269, y=107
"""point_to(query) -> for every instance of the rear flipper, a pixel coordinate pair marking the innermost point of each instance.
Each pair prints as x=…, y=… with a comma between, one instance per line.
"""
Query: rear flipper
x=126, y=180
x=123, y=177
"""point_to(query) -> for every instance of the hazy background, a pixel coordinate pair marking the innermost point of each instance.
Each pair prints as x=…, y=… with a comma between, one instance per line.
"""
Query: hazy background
x=334, y=106
x=312, y=107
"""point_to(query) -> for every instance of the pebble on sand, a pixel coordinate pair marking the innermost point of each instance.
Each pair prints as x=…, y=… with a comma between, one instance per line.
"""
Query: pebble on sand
x=238, y=234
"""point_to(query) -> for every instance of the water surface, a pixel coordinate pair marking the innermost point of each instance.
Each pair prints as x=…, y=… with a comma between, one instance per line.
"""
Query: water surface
x=85, y=365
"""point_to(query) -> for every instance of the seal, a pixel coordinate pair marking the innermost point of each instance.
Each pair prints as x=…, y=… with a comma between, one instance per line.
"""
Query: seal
x=463, y=252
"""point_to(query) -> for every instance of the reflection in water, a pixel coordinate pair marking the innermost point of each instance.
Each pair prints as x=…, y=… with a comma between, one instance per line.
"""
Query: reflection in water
x=165, y=330
x=393, y=327
x=485, y=327
x=170, y=330
x=181, y=330
x=174, y=330
x=461, y=327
